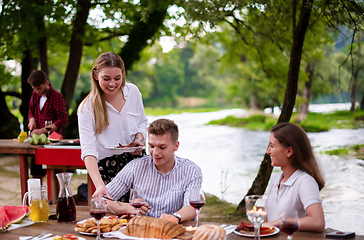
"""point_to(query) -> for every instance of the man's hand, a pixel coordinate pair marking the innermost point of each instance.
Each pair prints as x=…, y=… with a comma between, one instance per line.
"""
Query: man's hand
x=169, y=217
x=32, y=124
x=38, y=131
x=143, y=210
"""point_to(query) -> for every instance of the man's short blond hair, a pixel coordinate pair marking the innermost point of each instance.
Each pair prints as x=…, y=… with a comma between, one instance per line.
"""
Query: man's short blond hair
x=162, y=126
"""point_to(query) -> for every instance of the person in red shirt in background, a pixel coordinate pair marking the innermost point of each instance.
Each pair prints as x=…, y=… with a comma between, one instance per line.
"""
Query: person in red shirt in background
x=46, y=104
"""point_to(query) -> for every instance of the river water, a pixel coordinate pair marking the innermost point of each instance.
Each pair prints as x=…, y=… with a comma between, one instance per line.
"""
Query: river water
x=230, y=159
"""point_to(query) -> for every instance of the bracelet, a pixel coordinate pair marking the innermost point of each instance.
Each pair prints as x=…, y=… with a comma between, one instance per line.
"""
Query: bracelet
x=138, y=138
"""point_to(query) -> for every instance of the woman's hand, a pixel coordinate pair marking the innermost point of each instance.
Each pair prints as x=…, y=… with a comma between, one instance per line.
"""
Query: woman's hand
x=137, y=142
x=100, y=190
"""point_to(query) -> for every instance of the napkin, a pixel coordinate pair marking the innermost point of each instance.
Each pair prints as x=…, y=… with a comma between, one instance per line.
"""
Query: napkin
x=120, y=235
x=228, y=228
x=44, y=237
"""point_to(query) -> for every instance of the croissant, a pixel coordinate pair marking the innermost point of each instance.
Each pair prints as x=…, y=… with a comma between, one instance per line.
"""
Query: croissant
x=149, y=227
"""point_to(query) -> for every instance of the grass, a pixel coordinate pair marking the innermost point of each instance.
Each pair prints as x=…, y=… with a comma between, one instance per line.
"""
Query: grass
x=219, y=211
x=254, y=122
x=315, y=122
x=354, y=151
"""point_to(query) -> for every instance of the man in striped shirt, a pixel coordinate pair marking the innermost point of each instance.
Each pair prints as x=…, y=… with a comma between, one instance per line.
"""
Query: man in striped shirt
x=165, y=178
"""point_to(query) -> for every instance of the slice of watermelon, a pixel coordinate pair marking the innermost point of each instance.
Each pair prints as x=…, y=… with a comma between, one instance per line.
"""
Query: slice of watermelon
x=4, y=220
x=17, y=214
x=55, y=137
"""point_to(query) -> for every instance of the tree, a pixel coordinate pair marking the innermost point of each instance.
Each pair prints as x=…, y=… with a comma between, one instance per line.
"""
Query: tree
x=41, y=23
x=272, y=21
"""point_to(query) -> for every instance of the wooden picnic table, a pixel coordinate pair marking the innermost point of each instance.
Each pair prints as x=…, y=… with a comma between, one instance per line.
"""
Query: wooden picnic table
x=24, y=150
x=56, y=228
x=58, y=157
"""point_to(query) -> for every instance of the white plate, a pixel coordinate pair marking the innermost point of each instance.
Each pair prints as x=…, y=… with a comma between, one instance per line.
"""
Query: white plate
x=62, y=146
x=261, y=235
x=51, y=238
x=120, y=150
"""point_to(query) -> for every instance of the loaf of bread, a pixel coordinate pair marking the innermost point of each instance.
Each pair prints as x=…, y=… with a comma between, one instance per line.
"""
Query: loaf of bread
x=149, y=227
x=209, y=232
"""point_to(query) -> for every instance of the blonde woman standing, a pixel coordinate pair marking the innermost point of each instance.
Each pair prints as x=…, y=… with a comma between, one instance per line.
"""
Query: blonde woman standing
x=297, y=186
x=112, y=113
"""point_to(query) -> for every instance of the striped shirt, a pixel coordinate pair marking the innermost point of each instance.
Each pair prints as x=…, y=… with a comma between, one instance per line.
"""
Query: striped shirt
x=165, y=194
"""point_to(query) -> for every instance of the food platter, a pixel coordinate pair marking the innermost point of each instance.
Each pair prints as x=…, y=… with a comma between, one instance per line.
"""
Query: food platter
x=107, y=223
x=120, y=150
x=251, y=234
x=85, y=233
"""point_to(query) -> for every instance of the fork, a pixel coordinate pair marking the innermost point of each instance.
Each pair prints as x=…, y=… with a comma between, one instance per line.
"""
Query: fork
x=115, y=201
x=39, y=236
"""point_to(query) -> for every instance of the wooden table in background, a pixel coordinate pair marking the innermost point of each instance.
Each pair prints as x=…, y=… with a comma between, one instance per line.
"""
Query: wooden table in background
x=56, y=228
x=55, y=158
x=24, y=150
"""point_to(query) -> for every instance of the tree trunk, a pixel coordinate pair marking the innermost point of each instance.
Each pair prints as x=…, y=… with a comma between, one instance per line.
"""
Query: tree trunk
x=353, y=89
x=310, y=68
x=42, y=40
x=362, y=102
x=27, y=65
x=76, y=44
x=253, y=101
x=299, y=31
x=9, y=125
x=142, y=32
x=355, y=73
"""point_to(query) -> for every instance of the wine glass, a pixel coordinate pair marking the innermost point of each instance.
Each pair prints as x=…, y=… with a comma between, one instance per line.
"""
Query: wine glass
x=197, y=200
x=255, y=206
x=98, y=210
x=47, y=125
x=136, y=199
x=289, y=222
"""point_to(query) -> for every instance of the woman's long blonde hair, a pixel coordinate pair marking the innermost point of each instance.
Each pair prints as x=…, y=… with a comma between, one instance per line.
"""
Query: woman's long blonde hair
x=96, y=96
x=303, y=158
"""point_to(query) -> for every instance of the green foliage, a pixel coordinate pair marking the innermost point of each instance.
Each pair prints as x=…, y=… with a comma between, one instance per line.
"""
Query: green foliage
x=252, y=122
x=317, y=122
x=340, y=151
x=353, y=150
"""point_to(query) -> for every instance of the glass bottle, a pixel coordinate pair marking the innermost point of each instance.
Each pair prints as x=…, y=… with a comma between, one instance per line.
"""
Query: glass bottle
x=37, y=201
x=66, y=207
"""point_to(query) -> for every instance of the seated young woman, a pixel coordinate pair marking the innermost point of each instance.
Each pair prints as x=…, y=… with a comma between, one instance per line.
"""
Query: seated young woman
x=297, y=187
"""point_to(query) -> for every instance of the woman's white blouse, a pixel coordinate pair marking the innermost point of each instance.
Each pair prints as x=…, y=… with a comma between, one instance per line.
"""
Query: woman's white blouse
x=122, y=127
x=298, y=192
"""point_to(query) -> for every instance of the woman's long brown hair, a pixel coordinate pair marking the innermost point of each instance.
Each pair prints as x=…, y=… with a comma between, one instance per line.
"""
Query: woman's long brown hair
x=303, y=158
x=96, y=96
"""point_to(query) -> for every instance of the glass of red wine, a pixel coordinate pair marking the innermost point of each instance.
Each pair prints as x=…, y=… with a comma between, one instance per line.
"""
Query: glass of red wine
x=289, y=222
x=98, y=211
x=136, y=199
x=47, y=125
x=197, y=200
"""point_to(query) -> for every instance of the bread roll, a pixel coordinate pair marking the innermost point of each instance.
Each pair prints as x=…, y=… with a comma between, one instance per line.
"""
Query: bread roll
x=209, y=232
